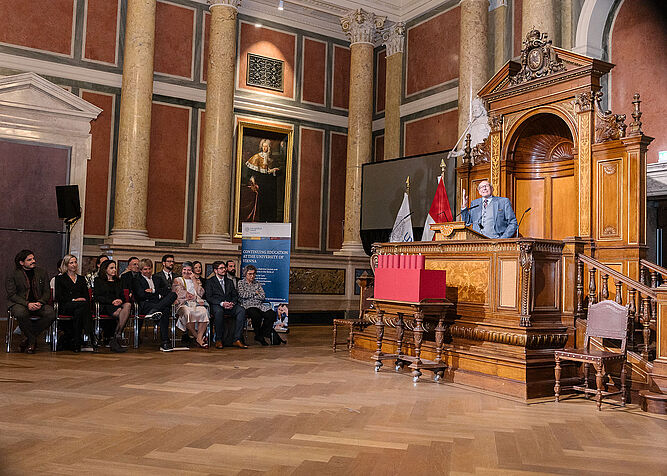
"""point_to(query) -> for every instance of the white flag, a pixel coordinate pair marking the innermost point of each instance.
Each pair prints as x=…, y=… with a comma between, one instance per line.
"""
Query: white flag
x=402, y=230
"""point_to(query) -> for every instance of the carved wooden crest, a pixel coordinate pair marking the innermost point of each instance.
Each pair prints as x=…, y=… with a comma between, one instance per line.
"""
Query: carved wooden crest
x=608, y=126
x=538, y=59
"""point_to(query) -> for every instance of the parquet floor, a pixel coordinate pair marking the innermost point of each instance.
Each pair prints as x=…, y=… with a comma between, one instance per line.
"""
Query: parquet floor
x=296, y=409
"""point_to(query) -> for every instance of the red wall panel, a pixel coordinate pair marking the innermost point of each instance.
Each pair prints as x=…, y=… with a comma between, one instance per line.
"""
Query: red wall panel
x=518, y=39
x=381, y=81
x=272, y=44
x=42, y=25
x=101, y=30
x=440, y=34
x=341, y=77
x=167, y=180
x=379, y=148
x=314, y=70
x=338, y=161
x=174, y=30
x=310, y=188
x=641, y=26
x=97, y=180
x=431, y=134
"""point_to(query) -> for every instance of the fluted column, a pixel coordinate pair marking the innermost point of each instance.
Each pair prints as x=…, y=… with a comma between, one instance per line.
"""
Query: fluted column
x=361, y=27
x=134, y=131
x=394, y=40
x=473, y=59
x=217, y=166
x=540, y=15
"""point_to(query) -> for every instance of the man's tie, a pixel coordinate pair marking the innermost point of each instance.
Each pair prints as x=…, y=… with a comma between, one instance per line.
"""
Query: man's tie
x=222, y=285
x=169, y=281
x=486, y=202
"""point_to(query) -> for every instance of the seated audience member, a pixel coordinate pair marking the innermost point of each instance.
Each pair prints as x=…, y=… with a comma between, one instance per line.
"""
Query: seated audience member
x=252, y=297
x=198, y=272
x=223, y=298
x=231, y=272
x=151, y=303
x=190, y=307
x=129, y=275
x=109, y=293
x=28, y=294
x=90, y=277
x=72, y=296
x=165, y=278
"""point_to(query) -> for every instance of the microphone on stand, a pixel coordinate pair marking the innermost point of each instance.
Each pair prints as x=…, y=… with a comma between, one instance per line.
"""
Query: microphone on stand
x=465, y=210
x=523, y=215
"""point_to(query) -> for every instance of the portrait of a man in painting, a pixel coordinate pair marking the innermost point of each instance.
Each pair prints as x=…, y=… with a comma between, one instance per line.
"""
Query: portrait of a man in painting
x=263, y=175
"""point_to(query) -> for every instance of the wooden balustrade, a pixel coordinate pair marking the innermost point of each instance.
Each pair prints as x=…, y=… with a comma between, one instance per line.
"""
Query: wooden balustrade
x=641, y=298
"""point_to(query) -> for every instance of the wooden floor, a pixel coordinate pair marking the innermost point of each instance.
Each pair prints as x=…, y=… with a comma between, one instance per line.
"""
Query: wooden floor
x=295, y=409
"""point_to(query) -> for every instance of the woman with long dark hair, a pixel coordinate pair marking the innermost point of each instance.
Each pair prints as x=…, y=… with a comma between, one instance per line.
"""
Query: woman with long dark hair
x=109, y=293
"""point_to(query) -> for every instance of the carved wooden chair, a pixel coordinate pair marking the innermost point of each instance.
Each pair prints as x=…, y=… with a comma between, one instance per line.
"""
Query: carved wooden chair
x=365, y=282
x=606, y=320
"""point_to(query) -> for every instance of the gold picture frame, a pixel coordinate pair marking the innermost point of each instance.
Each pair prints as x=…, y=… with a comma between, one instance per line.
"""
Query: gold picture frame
x=263, y=178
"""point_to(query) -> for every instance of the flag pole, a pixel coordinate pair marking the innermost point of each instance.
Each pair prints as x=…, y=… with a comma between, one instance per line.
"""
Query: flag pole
x=407, y=185
x=443, y=166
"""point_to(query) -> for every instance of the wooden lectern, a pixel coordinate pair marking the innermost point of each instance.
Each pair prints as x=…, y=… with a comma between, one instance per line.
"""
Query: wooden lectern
x=455, y=230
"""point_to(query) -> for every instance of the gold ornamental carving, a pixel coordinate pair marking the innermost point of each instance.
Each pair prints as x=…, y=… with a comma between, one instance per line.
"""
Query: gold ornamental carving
x=495, y=161
x=584, y=174
x=609, y=231
x=526, y=261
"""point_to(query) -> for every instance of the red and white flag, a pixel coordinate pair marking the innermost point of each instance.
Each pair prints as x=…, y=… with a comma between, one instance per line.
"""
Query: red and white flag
x=440, y=211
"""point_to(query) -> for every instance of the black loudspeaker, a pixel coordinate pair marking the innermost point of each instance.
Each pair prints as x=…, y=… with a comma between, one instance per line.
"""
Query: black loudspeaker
x=69, y=206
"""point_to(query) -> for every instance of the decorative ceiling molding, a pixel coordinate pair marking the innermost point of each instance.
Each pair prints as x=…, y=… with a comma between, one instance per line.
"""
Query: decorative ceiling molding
x=323, y=16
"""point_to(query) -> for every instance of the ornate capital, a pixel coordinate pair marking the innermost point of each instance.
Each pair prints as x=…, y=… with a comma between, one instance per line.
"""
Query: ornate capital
x=394, y=38
x=361, y=26
x=225, y=3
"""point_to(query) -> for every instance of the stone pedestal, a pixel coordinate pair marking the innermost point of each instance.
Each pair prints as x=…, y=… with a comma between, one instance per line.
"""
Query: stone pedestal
x=361, y=27
x=134, y=132
x=217, y=160
x=394, y=40
x=473, y=63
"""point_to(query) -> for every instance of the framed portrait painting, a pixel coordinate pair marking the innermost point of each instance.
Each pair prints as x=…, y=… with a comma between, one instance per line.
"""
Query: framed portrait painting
x=263, y=174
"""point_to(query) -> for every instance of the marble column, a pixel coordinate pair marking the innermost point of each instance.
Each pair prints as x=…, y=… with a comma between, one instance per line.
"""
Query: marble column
x=394, y=40
x=217, y=160
x=473, y=59
x=540, y=15
x=361, y=27
x=500, y=26
x=134, y=132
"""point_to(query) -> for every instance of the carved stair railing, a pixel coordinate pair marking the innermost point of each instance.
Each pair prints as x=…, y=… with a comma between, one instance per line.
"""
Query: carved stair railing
x=641, y=301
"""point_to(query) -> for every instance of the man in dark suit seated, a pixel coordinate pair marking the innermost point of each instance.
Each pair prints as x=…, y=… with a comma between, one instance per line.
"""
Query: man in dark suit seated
x=223, y=298
x=132, y=271
x=164, y=280
x=28, y=293
x=151, y=303
x=489, y=215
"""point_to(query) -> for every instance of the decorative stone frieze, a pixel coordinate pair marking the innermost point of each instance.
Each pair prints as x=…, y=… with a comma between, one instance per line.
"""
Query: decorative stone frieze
x=225, y=3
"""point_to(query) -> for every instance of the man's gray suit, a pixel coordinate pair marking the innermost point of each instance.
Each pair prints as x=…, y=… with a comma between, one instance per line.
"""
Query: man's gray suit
x=504, y=219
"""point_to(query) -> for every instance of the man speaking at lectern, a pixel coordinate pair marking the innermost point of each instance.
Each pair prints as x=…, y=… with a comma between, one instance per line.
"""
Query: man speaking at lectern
x=491, y=216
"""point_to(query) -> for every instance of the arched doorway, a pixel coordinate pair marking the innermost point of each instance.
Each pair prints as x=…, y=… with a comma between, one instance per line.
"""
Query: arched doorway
x=540, y=169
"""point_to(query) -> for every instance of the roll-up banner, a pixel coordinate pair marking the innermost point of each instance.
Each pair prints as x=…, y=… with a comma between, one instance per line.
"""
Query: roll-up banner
x=267, y=247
